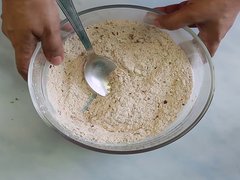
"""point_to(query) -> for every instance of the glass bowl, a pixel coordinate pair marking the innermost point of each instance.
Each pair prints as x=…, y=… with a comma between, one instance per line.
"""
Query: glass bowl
x=202, y=92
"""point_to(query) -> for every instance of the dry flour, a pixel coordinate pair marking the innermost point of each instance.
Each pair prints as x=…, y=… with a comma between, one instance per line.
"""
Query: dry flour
x=149, y=88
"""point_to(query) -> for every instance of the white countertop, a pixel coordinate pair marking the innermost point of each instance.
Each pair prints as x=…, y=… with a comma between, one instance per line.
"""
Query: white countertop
x=30, y=150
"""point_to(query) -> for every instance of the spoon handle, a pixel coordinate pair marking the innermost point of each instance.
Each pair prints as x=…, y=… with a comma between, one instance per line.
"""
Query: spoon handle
x=70, y=12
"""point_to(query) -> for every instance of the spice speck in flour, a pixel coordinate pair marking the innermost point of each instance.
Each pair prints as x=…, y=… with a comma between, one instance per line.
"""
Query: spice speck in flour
x=151, y=85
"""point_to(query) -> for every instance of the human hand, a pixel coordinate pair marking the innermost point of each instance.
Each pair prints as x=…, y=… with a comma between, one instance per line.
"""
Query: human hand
x=213, y=18
x=25, y=23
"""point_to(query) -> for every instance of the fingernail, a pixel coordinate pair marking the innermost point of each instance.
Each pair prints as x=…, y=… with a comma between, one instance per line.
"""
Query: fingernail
x=57, y=60
x=68, y=28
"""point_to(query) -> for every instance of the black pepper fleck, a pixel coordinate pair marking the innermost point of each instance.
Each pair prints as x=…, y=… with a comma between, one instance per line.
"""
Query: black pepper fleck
x=137, y=41
x=131, y=36
x=165, y=102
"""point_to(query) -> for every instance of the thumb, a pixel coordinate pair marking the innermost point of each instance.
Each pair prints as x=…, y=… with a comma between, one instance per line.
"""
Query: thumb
x=178, y=17
x=52, y=46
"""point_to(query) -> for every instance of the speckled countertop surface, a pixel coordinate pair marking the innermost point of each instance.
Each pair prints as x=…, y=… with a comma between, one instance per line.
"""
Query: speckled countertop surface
x=30, y=150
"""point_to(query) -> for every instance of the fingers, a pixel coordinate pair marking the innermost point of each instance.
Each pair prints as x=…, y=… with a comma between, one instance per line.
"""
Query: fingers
x=171, y=8
x=179, y=16
x=23, y=53
x=24, y=44
x=29, y=22
x=210, y=42
x=153, y=18
x=52, y=46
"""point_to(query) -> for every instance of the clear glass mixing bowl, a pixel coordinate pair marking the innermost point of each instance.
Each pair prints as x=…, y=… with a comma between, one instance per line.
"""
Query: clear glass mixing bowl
x=203, y=78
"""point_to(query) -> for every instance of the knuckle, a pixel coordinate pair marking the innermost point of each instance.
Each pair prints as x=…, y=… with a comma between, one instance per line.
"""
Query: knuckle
x=24, y=45
x=22, y=70
x=22, y=65
x=218, y=36
x=51, y=31
x=192, y=16
x=50, y=48
x=164, y=23
x=4, y=30
x=8, y=32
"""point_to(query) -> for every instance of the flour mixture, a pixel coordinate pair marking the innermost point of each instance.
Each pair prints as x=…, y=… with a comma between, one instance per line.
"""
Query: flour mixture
x=152, y=83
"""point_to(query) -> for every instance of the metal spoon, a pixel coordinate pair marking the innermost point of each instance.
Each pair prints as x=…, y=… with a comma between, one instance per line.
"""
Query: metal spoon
x=96, y=68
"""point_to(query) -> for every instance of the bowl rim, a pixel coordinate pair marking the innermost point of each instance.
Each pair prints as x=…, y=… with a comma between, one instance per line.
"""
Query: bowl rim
x=144, y=149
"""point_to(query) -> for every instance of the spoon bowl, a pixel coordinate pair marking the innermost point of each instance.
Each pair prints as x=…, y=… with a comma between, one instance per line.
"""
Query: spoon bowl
x=96, y=72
